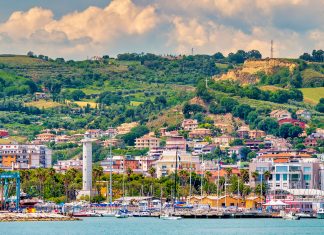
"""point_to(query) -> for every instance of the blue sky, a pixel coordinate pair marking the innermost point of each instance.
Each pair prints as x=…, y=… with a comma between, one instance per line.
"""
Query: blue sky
x=77, y=29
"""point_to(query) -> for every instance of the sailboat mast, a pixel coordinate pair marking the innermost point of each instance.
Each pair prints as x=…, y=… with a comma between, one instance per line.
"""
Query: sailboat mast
x=190, y=177
x=175, y=178
x=218, y=182
x=202, y=176
x=110, y=175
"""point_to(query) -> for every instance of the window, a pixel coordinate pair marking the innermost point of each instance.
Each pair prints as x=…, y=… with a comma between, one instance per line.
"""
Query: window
x=294, y=168
x=295, y=177
x=277, y=177
x=307, y=169
x=284, y=177
x=307, y=177
x=281, y=168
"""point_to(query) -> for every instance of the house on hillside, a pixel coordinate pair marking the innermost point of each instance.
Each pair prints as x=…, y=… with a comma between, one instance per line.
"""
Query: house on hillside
x=312, y=139
x=45, y=138
x=235, y=150
x=147, y=142
x=304, y=114
x=280, y=114
x=256, y=134
x=189, y=124
x=199, y=133
x=176, y=143
x=4, y=133
x=225, y=128
x=41, y=95
x=224, y=140
x=292, y=121
x=243, y=132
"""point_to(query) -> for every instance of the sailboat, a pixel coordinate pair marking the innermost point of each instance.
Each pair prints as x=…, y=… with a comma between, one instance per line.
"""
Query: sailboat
x=169, y=216
x=123, y=212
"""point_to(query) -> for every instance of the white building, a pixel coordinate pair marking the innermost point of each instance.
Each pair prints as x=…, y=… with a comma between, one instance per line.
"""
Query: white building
x=167, y=162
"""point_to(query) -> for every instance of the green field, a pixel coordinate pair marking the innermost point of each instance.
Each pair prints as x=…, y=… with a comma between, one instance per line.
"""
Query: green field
x=313, y=95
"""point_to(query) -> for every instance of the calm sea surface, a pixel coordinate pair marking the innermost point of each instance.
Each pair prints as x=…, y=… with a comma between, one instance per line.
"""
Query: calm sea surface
x=156, y=226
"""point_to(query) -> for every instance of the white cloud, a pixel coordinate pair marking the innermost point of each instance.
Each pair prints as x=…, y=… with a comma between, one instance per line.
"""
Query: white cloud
x=23, y=24
x=168, y=26
x=94, y=25
x=210, y=37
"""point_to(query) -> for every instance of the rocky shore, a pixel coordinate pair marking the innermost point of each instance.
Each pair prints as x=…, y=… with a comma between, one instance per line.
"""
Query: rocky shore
x=14, y=217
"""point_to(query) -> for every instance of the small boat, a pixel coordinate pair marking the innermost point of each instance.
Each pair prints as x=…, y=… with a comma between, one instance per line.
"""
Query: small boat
x=108, y=214
x=86, y=214
x=170, y=217
x=290, y=216
x=142, y=214
x=303, y=215
x=122, y=214
x=320, y=213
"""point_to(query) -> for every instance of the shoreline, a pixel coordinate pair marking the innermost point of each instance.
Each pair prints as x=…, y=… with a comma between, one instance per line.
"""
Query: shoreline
x=34, y=217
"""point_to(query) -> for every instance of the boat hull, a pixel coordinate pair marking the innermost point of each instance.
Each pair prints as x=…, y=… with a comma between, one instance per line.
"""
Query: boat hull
x=320, y=215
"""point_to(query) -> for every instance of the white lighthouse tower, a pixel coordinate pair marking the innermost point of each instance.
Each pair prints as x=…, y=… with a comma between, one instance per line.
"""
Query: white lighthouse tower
x=87, y=166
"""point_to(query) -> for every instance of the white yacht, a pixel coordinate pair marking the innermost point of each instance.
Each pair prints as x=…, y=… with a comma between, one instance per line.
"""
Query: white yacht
x=320, y=213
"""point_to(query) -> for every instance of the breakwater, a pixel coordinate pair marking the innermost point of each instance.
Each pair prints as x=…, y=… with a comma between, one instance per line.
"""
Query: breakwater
x=14, y=217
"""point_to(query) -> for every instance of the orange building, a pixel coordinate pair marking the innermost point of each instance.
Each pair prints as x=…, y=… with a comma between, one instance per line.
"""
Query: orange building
x=8, y=160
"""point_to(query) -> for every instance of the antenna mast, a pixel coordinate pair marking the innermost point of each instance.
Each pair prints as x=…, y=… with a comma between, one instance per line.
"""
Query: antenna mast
x=271, y=51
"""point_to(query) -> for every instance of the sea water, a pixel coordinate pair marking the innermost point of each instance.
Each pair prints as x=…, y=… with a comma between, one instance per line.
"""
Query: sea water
x=155, y=226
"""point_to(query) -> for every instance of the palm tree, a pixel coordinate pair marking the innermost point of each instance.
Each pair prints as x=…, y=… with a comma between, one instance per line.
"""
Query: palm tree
x=255, y=175
x=40, y=174
x=152, y=171
x=183, y=174
x=267, y=175
x=244, y=175
x=228, y=172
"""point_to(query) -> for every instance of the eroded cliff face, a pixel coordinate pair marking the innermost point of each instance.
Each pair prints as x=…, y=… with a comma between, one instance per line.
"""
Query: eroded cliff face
x=248, y=73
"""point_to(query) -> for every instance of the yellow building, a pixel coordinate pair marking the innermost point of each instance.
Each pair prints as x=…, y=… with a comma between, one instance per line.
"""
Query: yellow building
x=214, y=201
x=253, y=202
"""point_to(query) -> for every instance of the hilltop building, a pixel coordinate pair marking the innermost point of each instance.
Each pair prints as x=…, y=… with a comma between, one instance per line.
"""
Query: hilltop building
x=280, y=114
x=189, y=124
x=304, y=114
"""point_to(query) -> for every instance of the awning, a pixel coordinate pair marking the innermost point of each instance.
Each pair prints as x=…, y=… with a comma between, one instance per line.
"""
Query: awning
x=275, y=203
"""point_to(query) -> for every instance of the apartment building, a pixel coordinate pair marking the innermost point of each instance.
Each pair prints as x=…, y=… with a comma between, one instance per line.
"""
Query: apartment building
x=176, y=143
x=167, y=162
x=287, y=171
x=147, y=142
x=15, y=156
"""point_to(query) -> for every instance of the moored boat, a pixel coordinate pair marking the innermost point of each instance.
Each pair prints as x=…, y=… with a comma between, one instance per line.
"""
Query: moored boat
x=290, y=216
x=86, y=214
x=170, y=217
x=108, y=214
x=320, y=213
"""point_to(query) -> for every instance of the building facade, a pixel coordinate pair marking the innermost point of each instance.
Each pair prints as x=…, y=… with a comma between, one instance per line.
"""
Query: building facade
x=167, y=162
x=147, y=142
x=287, y=171
x=15, y=156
